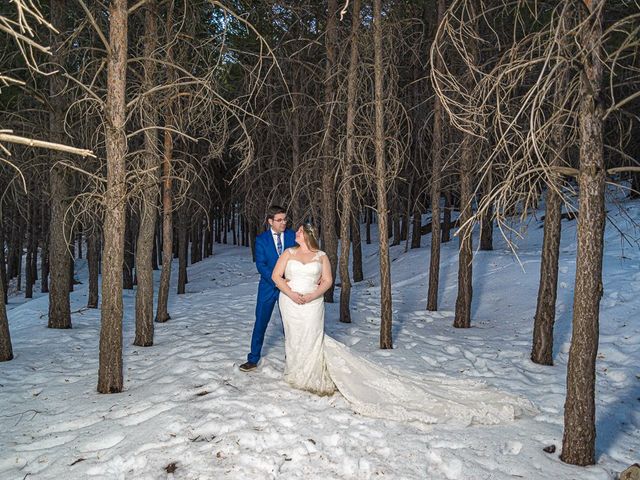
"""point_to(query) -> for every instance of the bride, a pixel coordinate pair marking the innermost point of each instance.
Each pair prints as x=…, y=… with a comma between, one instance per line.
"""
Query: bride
x=317, y=363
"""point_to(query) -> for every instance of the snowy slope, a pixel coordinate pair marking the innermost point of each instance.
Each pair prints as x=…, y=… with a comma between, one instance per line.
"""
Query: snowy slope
x=185, y=401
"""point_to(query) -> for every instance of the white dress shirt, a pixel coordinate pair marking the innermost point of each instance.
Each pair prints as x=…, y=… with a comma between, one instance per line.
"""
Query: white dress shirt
x=274, y=236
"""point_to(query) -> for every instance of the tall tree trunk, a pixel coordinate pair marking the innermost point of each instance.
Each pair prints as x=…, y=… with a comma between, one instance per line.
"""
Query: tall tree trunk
x=6, y=351
x=328, y=205
x=463, y=300
x=93, y=262
x=578, y=443
x=395, y=218
x=436, y=167
x=486, y=223
x=110, y=363
x=37, y=229
x=368, y=214
x=386, y=340
x=3, y=264
x=59, y=306
x=127, y=267
x=465, y=257
x=446, y=221
x=28, y=287
x=44, y=255
x=183, y=245
x=148, y=213
x=162, y=312
x=544, y=319
x=346, y=190
x=356, y=242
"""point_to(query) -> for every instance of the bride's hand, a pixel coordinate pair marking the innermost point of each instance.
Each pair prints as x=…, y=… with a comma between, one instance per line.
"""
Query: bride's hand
x=298, y=298
x=309, y=297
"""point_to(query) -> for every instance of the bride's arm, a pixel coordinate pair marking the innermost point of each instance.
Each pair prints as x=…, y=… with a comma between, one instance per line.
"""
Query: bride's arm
x=281, y=283
x=325, y=281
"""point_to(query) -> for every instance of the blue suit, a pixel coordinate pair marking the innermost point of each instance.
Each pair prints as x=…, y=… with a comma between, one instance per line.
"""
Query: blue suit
x=266, y=258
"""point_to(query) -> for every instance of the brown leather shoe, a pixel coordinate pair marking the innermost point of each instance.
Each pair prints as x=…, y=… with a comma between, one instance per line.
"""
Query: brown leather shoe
x=247, y=367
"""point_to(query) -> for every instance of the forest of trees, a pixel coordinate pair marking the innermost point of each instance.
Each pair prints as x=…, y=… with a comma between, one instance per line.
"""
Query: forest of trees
x=136, y=132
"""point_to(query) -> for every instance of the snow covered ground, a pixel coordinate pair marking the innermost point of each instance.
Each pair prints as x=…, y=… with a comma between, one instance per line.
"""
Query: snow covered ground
x=187, y=412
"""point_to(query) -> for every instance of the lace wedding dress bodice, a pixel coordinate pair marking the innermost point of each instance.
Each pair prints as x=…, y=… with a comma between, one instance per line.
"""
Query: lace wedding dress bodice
x=320, y=364
x=303, y=277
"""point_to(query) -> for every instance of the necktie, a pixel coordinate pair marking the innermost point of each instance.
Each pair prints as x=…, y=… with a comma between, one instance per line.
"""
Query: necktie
x=279, y=244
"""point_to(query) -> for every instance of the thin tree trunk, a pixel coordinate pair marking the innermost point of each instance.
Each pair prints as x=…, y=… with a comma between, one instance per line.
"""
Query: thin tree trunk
x=368, y=215
x=148, y=214
x=397, y=229
x=578, y=443
x=544, y=319
x=447, y=223
x=6, y=351
x=347, y=193
x=356, y=243
x=386, y=340
x=35, y=244
x=329, y=234
x=93, y=262
x=416, y=235
x=3, y=264
x=486, y=223
x=127, y=267
x=44, y=256
x=59, y=306
x=465, y=271
x=436, y=181
x=28, y=287
x=183, y=243
x=154, y=253
x=110, y=364
x=162, y=312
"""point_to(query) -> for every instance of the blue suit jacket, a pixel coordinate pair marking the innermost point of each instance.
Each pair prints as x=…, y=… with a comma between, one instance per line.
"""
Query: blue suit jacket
x=266, y=259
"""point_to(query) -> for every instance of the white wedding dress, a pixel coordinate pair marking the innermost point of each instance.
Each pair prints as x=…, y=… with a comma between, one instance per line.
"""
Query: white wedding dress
x=317, y=363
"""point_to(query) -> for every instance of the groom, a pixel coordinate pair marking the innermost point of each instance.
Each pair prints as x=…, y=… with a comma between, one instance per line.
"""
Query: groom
x=269, y=246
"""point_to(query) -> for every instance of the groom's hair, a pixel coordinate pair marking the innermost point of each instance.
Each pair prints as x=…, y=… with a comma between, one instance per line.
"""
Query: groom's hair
x=274, y=210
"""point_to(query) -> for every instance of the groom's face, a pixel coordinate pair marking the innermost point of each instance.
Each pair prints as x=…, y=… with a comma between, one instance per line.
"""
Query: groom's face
x=279, y=222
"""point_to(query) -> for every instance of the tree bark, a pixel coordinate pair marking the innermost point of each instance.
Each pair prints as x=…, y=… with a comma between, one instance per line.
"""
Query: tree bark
x=436, y=167
x=386, y=340
x=183, y=243
x=544, y=319
x=3, y=264
x=93, y=262
x=329, y=234
x=368, y=214
x=446, y=217
x=486, y=223
x=465, y=271
x=6, y=351
x=28, y=287
x=162, y=312
x=346, y=190
x=44, y=255
x=59, y=259
x=578, y=443
x=127, y=267
x=356, y=243
x=110, y=363
x=148, y=213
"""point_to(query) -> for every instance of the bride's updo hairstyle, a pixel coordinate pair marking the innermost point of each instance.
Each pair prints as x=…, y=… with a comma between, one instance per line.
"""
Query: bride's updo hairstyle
x=311, y=236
